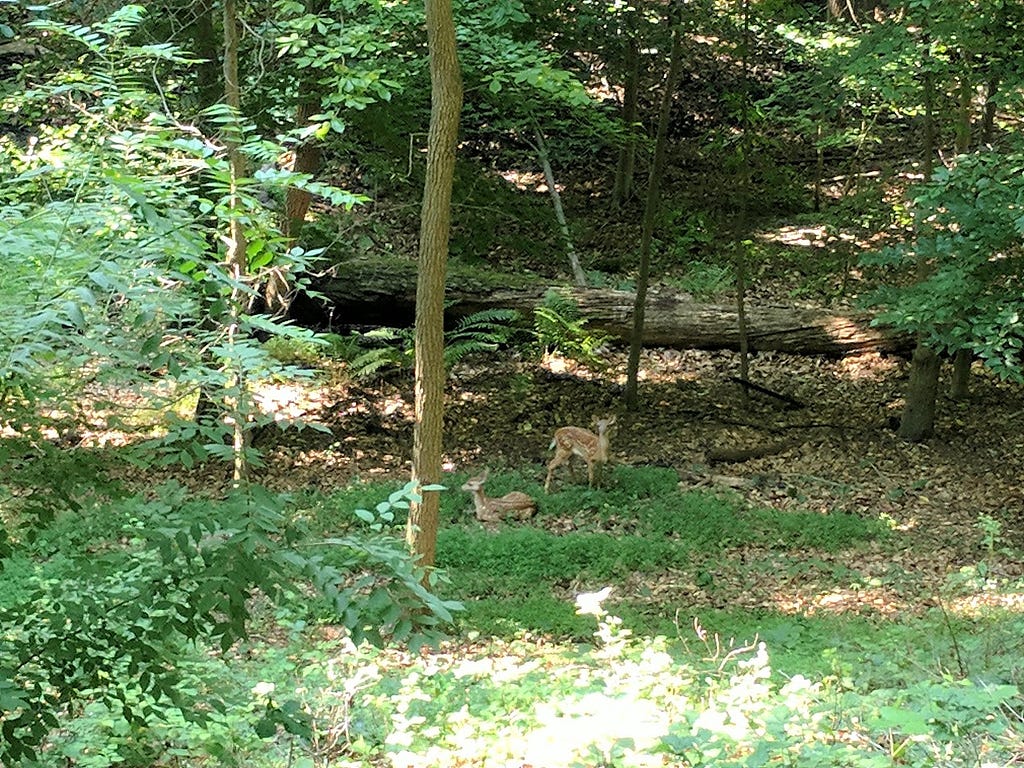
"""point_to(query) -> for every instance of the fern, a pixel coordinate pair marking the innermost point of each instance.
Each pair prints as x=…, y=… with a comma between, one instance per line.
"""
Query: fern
x=558, y=326
x=482, y=331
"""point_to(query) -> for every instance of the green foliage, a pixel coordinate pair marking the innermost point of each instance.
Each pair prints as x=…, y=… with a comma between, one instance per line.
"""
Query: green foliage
x=481, y=332
x=968, y=233
x=518, y=560
x=623, y=701
x=705, y=280
x=108, y=626
x=559, y=327
x=684, y=236
x=116, y=290
x=306, y=353
x=165, y=307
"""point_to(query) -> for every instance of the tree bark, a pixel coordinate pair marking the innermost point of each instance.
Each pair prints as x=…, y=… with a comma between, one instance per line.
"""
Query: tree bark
x=383, y=293
x=306, y=160
x=435, y=227
x=636, y=339
x=960, y=384
x=918, y=420
x=623, y=187
x=556, y=200
x=204, y=46
x=235, y=256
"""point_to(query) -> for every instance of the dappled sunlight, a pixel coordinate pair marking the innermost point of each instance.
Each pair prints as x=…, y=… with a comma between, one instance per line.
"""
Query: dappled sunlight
x=978, y=603
x=525, y=181
x=874, y=600
x=288, y=401
x=870, y=366
x=803, y=237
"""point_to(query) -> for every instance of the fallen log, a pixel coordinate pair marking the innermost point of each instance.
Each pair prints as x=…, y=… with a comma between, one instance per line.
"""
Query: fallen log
x=375, y=293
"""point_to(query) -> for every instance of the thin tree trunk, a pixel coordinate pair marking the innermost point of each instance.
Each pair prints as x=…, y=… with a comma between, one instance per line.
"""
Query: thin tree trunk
x=960, y=384
x=435, y=227
x=650, y=215
x=963, y=123
x=307, y=160
x=556, y=200
x=235, y=255
x=819, y=168
x=205, y=47
x=918, y=419
x=988, y=120
x=741, y=253
x=623, y=187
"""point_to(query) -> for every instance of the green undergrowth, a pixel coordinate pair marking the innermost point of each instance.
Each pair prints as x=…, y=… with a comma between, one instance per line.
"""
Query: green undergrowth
x=644, y=676
x=637, y=528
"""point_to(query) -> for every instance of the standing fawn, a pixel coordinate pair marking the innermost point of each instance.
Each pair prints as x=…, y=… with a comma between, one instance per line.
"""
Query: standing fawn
x=515, y=504
x=570, y=441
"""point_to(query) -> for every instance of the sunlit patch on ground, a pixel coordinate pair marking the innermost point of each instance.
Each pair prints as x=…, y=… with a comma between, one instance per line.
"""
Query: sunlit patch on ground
x=525, y=181
x=978, y=603
x=288, y=401
x=814, y=237
x=878, y=601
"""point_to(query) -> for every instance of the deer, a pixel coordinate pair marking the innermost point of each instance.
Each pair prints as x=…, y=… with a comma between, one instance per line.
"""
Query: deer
x=576, y=441
x=516, y=504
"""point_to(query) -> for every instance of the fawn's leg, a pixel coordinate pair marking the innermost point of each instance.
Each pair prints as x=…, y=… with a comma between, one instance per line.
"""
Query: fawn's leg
x=559, y=458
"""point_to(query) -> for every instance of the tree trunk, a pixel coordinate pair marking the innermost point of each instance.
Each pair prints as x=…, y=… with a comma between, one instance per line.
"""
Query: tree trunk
x=236, y=243
x=435, y=227
x=205, y=47
x=744, y=191
x=636, y=338
x=307, y=160
x=960, y=385
x=383, y=293
x=623, y=187
x=918, y=421
x=556, y=200
x=988, y=120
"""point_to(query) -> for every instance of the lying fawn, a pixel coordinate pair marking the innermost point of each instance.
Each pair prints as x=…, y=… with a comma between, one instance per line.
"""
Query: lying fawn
x=515, y=504
x=570, y=441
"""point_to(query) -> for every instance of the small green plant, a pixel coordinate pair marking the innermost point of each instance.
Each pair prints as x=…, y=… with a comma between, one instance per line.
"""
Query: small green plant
x=991, y=533
x=483, y=331
x=305, y=352
x=559, y=327
x=688, y=234
x=383, y=351
x=705, y=280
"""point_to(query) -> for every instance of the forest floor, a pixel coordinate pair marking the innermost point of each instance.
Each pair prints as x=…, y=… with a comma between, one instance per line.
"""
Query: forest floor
x=838, y=453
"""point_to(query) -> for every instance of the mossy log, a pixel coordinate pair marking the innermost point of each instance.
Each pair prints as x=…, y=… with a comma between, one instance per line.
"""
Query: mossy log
x=360, y=294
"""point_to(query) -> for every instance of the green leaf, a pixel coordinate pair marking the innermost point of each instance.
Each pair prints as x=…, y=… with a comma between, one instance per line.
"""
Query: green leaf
x=365, y=515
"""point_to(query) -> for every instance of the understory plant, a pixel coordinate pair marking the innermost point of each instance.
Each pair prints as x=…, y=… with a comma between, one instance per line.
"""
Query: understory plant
x=560, y=328
x=386, y=350
x=121, y=301
x=628, y=701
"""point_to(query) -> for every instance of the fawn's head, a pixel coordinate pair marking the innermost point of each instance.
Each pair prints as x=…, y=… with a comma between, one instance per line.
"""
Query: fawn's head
x=475, y=483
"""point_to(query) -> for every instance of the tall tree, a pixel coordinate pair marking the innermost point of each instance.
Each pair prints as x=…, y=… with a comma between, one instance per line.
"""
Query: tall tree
x=435, y=227
x=651, y=210
x=236, y=244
